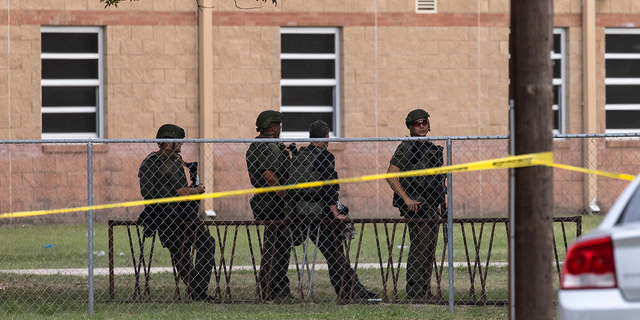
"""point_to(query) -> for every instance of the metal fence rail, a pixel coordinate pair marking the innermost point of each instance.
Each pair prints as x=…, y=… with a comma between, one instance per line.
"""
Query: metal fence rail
x=477, y=261
x=44, y=259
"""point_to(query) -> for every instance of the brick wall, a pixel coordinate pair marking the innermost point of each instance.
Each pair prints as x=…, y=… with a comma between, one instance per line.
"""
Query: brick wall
x=246, y=78
x=152, y=79
x=453, y=63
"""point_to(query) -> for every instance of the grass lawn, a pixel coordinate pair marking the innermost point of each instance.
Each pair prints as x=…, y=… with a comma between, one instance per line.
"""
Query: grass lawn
x=266, y=312
x=23, y=247
x=64, y=297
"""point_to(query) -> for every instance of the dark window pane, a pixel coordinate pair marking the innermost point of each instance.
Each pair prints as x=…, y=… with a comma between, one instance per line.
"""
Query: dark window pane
x=623, y=94
x=300, y=121
x=623, y=43
x=557, y=68
x=69, y=69
x=69, y=42
x=623, y=68
x=557, y=43
x=69, y=96
x=307, y=43
x=68, y=122
x=623, y=119
x=556, y=95
x=308, y=69
x=556, y=120
x=307, y=96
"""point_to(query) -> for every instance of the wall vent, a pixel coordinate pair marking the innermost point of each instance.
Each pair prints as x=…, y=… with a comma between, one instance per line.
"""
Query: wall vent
x=426, y=6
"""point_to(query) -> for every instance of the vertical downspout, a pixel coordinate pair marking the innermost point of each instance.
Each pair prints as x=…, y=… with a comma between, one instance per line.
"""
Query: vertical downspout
x=9, y=104
x=205, y=99
x=589, y=105
x=375, y=48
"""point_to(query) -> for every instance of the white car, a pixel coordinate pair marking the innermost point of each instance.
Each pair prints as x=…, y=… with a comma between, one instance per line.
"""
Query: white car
x=601, y=275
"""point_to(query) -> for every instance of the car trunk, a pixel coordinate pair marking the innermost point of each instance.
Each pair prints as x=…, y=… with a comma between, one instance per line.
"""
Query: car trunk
x=626, y=245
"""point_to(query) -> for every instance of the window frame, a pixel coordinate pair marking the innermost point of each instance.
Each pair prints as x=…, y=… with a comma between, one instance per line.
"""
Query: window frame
x=561, y=107
x=335, y=109
x=99, y=83
x=621, y=81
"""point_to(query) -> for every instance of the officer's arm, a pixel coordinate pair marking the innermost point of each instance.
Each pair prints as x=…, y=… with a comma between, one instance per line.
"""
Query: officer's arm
x=186, y=191
x=146, y=181
x=272, y=180
x=336, y=215
x=394, y=183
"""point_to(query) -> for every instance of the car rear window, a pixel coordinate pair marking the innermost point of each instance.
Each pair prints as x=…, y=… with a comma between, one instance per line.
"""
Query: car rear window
x=631, y=212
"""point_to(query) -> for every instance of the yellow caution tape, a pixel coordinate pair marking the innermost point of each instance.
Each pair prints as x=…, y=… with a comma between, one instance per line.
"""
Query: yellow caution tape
x=621, y=176
x=527, y=160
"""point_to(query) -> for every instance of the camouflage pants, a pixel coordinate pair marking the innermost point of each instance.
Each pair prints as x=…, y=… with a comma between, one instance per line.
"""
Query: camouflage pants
x=328, y=239
x=180, y=239
x=274, y=265
x=423, y=237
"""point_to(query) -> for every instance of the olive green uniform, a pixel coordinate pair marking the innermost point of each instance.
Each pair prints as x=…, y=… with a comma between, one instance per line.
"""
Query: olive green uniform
x=314, y=163
x=160, y=176
x=276, y=248
x=429, y=191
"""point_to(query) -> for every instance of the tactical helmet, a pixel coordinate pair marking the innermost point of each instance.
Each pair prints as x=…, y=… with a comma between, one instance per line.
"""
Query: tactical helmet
x=415, y=115
x=266, y=118
x=170, y=131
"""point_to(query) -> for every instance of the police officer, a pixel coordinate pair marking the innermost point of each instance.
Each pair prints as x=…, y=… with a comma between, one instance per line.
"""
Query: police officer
x=162, y=175
x=419, y=197
x=267, y=164
x=313, y=205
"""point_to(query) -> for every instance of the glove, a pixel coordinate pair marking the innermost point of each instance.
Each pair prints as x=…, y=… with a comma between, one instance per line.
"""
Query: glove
x=292, y=147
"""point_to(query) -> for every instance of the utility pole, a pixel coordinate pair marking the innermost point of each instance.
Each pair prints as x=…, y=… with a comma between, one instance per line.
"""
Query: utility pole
x=531, y=94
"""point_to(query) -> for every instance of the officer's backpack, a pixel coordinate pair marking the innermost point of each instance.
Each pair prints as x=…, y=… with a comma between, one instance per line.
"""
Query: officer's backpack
x=307, y=201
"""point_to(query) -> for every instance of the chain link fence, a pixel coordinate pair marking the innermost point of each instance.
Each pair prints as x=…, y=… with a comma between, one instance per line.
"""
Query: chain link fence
x=227, y=256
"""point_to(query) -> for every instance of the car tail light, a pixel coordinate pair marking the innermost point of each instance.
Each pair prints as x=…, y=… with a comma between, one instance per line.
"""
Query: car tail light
x=589, y=265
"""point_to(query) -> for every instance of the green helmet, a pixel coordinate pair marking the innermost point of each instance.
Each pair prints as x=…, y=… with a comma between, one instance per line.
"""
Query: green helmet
x=415, y=115
x=266, y=118
x=170, y=131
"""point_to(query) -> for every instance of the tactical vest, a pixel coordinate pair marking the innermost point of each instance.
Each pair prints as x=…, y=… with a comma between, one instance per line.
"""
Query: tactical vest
x=258, y=149
x=422, y=188
x=308, y=201
x=267, y=206
x=155, y=215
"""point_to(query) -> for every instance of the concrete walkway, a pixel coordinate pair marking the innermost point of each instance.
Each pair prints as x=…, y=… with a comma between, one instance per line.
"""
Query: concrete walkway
x=83, y=272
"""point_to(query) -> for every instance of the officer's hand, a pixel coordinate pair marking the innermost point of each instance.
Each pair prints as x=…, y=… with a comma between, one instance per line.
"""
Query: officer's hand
x=199, y=188
x=412, y=205
x=336, y=214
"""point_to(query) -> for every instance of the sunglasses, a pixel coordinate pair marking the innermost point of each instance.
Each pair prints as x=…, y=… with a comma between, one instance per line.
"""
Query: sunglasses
x=419, y=123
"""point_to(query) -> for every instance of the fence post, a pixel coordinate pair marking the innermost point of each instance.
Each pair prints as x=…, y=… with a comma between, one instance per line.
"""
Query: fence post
x=90, y=221
x=512, y=214
x=450, y=225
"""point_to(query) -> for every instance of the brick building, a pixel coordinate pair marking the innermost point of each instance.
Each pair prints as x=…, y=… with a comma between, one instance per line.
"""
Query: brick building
x=73, y=69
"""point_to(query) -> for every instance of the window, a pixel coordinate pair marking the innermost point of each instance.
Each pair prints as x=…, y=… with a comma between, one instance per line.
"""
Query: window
x=310, y=80
x=559, y=81
x=72, y=83
x=426, y=6
x=622, y=63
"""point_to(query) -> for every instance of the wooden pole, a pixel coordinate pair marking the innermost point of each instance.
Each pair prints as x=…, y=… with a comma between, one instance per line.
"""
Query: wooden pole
x=532, y=95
